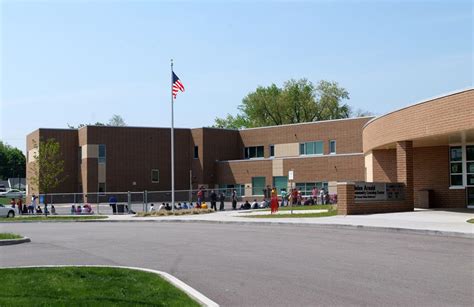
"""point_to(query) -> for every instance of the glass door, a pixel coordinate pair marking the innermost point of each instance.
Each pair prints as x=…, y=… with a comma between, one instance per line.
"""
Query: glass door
x=280, y=182
x=470, y=197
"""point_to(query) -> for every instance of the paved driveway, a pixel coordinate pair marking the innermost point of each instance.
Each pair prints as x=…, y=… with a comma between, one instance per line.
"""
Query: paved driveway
x=274, y=265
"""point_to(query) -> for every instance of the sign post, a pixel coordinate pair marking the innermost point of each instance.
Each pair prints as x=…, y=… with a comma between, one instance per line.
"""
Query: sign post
x=291, y=175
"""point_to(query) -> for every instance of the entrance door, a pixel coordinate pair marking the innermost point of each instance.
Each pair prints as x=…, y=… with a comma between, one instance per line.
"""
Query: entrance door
x=280, y=182
x=470, y=197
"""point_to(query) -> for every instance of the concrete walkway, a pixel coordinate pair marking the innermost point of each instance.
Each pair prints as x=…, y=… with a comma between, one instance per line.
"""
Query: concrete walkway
x=423, y=221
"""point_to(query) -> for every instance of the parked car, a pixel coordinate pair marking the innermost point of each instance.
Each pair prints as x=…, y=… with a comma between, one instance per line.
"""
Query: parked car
x=7, y=211
x=13, y=193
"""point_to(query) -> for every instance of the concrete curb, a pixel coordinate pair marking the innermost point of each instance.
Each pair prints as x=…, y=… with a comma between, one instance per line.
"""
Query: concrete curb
x=14, y=241
x=193, y=293
x=338, y=226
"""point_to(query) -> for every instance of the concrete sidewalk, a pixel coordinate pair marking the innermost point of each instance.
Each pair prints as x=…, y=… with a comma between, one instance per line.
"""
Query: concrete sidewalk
x=423, y=221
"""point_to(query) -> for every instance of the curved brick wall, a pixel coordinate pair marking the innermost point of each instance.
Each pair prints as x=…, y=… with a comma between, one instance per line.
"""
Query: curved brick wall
x=439, y=116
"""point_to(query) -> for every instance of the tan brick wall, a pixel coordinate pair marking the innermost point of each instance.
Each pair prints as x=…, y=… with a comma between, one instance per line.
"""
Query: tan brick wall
x=346, y=205
x=347, y=133
x=430, y=171
x=439, y=116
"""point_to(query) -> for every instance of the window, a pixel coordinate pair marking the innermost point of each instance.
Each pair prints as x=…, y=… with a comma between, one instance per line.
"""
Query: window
x=311, y=148
x=455, y=158
x=470, y=165
x=280, y=183
x=101, y=153
x=307, y=187
x=239, y=189
x=196, y=152
x=332, y=146
x=101, y=187
x=272, y=150
x=155, y=176
x=253, y=152
x=258, y=184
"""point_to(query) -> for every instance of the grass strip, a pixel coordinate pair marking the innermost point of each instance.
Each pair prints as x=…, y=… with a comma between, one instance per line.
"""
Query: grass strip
x=42, y=218
x=88, y=286
x=9, y=236
x=470, y=221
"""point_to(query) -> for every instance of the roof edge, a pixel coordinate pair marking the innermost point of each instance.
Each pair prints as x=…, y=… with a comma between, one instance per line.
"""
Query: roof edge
x=455, y=92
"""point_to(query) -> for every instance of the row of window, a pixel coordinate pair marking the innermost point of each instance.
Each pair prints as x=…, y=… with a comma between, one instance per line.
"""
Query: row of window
x=461, y=164
x=307, y=148
x=281, y=183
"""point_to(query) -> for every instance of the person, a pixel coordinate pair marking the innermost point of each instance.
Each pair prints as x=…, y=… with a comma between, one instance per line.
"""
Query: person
x=234, y=199
x=263, y=204
x=294, y=197
x=314, y=192
x=162, y=207
x=326, y=197
x=213, y=200
x=221, y=199
x=168, y=207
x=113, y=203
x=191, y=206
x=245, y=206
x=19, y=205
x=78, y=209
x=185, y=206
x=255, y=204
x=321, y=195
x=53, y=210
x=274, y=201
x=38, y=210
x=152, y=208
x=32, y=206
x=200, y=196
x=299, y=197
x=284, y=196
x=25, y=209
x=73, y=209
x=12, y=203
x=87, y=209
x=178, y=206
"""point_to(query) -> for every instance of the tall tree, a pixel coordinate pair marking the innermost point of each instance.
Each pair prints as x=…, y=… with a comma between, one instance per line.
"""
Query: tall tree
x=298, y=101
x=117, y=121
x=12, y=162
x=48, y=166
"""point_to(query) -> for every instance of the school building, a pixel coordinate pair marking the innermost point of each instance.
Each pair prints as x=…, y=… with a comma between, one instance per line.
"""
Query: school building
x=428, y=148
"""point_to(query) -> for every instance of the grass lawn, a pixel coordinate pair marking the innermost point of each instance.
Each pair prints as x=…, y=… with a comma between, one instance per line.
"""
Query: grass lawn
x=471, y=221
x=5, y=201
x=294, y=215
x=76, y=286
x=35, y=218
x=9, y=236
x=313, y=207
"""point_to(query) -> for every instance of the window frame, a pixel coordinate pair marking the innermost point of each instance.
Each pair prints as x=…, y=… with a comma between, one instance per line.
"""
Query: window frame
x=252, y=152
x=271, y=148
x=196, y=152
x=304, y=148
x=104, y=158
x=155, y=170
x=335, y=147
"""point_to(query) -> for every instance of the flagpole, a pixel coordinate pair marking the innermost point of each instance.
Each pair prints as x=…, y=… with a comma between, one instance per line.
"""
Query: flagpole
x=172, y=140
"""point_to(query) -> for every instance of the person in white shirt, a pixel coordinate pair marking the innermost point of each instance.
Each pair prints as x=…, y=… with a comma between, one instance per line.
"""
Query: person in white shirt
x=152, y=208
x=161, y=207
x=255, y=204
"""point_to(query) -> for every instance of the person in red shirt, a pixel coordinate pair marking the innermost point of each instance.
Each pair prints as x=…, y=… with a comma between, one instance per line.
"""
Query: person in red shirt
x=19, y=204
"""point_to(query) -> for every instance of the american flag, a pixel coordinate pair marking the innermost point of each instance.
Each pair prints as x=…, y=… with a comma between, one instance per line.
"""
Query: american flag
x=177, y=85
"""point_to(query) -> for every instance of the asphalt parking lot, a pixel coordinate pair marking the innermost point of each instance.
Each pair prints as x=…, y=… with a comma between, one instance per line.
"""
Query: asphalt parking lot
x=275, y=265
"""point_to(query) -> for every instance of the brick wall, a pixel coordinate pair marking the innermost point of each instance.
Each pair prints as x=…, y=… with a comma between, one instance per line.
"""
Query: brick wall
x=346, y=204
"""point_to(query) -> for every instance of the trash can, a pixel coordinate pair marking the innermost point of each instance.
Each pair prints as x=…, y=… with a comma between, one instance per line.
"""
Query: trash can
x=424, y=198
x=120, y=208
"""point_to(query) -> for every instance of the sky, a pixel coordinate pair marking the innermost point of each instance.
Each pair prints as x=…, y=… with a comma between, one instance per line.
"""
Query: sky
x=73, y=62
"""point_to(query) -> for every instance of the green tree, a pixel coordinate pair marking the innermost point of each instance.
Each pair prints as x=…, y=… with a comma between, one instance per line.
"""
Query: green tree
x=12, y=162
x=297, y=101
x=47, y=167
x=116, y=121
